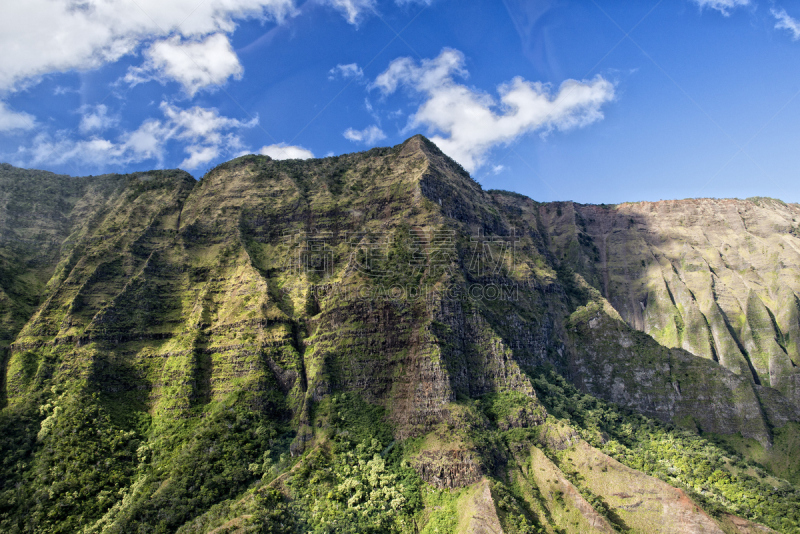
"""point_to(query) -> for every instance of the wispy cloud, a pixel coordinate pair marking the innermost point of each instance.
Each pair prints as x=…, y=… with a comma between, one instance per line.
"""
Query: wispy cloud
x=204, y=133
x=473, y=122
x=95, y=119
x=60, y=90
x=723, y=6
x=15, y=120
x=786, y=22
x=351, y=70
x=369, y=135
x=353, y=10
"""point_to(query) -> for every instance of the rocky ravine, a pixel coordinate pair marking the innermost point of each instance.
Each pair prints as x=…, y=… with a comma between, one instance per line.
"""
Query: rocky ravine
x=717, y=278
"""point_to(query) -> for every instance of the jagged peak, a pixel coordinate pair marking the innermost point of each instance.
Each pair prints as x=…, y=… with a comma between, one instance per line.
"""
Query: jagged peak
x=418, y=143
x=421, y=145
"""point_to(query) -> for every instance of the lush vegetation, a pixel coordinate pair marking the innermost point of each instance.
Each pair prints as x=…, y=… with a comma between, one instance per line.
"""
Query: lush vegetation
x=716, y=477
x=355, y=482
x=65, y=465
x=75, y=462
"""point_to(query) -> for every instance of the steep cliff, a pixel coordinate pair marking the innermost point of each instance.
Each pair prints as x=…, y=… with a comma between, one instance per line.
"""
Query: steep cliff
x=41, y=216
x=716, y=278
x=371, y=343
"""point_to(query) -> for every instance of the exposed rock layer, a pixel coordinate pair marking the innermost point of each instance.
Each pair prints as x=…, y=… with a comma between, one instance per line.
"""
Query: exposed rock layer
x=391, y=274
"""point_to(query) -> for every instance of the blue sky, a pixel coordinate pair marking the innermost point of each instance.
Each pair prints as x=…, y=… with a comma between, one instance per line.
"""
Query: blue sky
x=592, y=101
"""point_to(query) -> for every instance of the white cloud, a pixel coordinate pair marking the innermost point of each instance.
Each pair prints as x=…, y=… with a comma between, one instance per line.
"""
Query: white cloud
x=61, y=149
x=723, y=6
x=369, y=135
x=95, y=119
x=199, y=155
x=473, y=122
x=351, y=70
x=786, y=22
x=284, y=151
x=146, y=142
x=204, y=129
x=206, y=133
x=201, y=123
x=15, y=120
x=193, y=64
x=38, y=37
x=353, y=10
x=497, y=169
x=429, y=76
x=61, y=90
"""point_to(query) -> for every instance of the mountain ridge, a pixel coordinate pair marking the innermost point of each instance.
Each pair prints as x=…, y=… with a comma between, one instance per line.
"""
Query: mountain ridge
x=382, y=307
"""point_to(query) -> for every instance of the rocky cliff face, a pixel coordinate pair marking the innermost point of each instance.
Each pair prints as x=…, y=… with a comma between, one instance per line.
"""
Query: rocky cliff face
x=41, y=215
x=716, y=278
x=281, y=323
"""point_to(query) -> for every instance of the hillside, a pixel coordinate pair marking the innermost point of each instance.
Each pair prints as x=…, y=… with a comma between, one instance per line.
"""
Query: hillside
x=374, y=343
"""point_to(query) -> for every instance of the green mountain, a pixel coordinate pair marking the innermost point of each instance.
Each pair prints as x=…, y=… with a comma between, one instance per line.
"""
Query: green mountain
x=374, y=343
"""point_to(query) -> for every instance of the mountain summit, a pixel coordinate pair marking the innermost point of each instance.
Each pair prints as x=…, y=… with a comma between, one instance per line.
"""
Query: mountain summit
x=373, y=343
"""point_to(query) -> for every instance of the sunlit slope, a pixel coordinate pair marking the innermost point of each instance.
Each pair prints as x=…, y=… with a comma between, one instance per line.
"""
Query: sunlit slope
x=41, y=216
x=364, y=343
